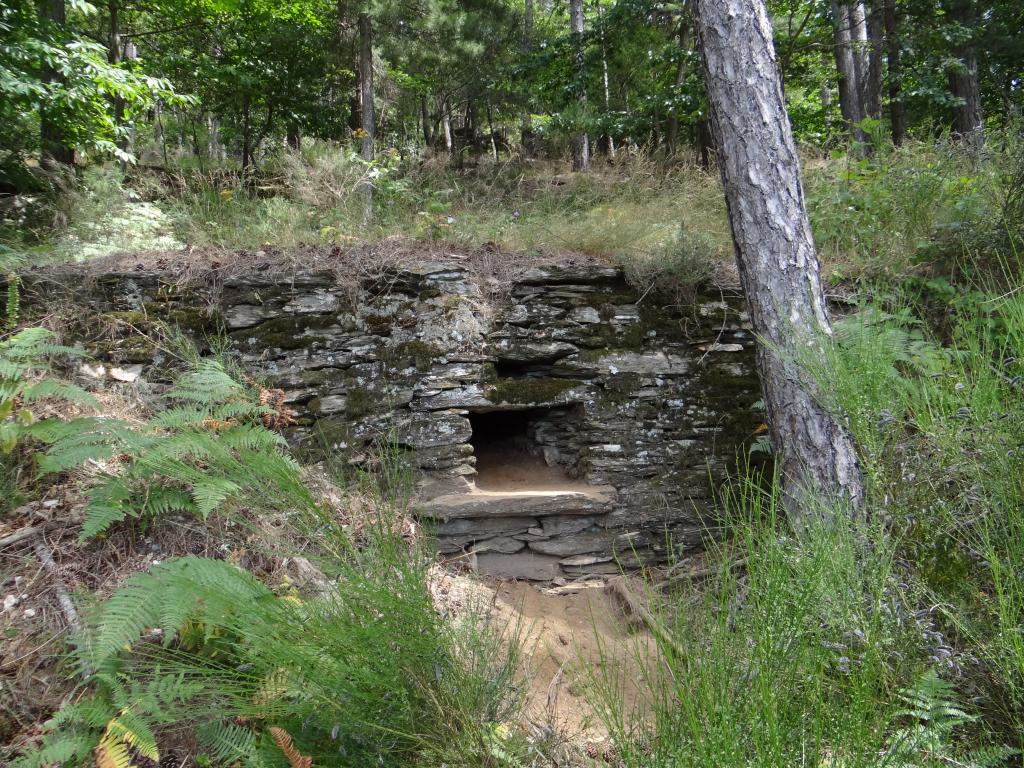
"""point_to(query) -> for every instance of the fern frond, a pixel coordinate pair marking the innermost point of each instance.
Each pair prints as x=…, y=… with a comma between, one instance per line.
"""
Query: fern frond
x=59, y=748
x=132, y=730
x=108, y=504
x=212, y=492
x=168, y=595
x=229, y=743
x=285, y=743
x=112, y=753
x=57, y=388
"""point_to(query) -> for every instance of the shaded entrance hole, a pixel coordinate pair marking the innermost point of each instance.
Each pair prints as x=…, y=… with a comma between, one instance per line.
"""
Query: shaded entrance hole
x=526, y=450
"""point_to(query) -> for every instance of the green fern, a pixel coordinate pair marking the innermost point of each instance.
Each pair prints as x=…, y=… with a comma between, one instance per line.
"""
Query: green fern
x=931, y=719
x=169, y=595
x=206, y=451
x=25, y=356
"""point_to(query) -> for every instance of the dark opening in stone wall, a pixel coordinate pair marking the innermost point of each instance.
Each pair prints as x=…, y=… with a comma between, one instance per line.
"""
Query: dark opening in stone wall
x=518, y=450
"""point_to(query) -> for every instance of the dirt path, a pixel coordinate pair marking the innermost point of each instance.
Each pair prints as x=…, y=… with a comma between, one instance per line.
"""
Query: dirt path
x=570, y=637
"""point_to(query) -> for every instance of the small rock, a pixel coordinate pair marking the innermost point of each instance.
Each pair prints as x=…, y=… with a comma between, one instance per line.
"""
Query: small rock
x=10, y=602
x=129, y=374
x=93, y=371
x=30, y=613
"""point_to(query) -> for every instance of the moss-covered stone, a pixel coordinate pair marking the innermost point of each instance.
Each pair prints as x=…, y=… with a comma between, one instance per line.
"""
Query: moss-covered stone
x=380, y=325
x=527, y=391
x=359, y=402
x=286, y=332
x=415, y=353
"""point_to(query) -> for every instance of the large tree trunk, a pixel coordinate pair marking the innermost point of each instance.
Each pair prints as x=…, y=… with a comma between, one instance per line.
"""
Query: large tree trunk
x=774, y=251
x=963, y=78
x=897, y=109
x=366, y=112
x=581, y=143
x=850, y=36
x=54, y=148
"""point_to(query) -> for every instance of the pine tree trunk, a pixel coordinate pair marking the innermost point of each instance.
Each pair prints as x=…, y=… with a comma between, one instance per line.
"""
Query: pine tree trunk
x=774, y=251
x=897, y=109
x=581, y=143
x=366, y=113
x=963, y=79
x=52, y=141
x=847, y=23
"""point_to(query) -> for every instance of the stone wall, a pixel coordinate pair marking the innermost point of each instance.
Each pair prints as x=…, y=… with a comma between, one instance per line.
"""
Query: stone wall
x=623, y=414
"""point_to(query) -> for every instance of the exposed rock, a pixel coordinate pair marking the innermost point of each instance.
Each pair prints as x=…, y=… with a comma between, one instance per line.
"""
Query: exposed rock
x=522, y=565
x=493, y=504
x=587, y=386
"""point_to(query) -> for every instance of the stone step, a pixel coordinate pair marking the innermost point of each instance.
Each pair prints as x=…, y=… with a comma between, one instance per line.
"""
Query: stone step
x=594, y=500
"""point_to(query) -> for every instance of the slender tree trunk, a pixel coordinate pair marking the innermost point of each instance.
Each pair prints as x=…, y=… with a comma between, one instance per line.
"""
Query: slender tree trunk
x=54, y=148
x=490, y=132
x=428, y=137
x=366, y=97
x=897, y=109
x=114, y=57
x=605, y=81
x=246, y=135
x=672, y=130
x=963, y=78
x=847, y=22
x=526, y=130
x=876, y=54
x=774, y=251
x=581, y=143
x=446, y=125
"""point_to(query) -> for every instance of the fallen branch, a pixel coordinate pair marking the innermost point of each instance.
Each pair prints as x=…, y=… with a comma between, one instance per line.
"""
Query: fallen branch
x=45, y=558
x=700, y=573
x=19, y=535
x=635, y=608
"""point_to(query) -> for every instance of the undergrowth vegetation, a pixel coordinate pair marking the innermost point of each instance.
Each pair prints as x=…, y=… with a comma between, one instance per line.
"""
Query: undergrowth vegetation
x=354, y=665
x=889, y=641
x=888, y=213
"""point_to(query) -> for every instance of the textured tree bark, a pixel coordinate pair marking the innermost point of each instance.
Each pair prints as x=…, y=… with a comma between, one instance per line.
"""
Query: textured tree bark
x=774, y=251
x=897, y=109
x=581, y=143
x=851, y=66
x=52, y=141
x=368, y=124
x=963, y=78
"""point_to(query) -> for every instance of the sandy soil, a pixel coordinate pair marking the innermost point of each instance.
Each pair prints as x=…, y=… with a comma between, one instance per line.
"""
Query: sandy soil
x=570, y=635
x=502, y=468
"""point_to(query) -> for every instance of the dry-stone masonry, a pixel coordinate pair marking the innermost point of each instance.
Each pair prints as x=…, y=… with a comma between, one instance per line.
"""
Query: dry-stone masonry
x=566, y=427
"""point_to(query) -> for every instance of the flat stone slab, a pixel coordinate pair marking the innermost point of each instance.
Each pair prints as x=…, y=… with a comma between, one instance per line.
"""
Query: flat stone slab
x=521, y=565
x=594, y=501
